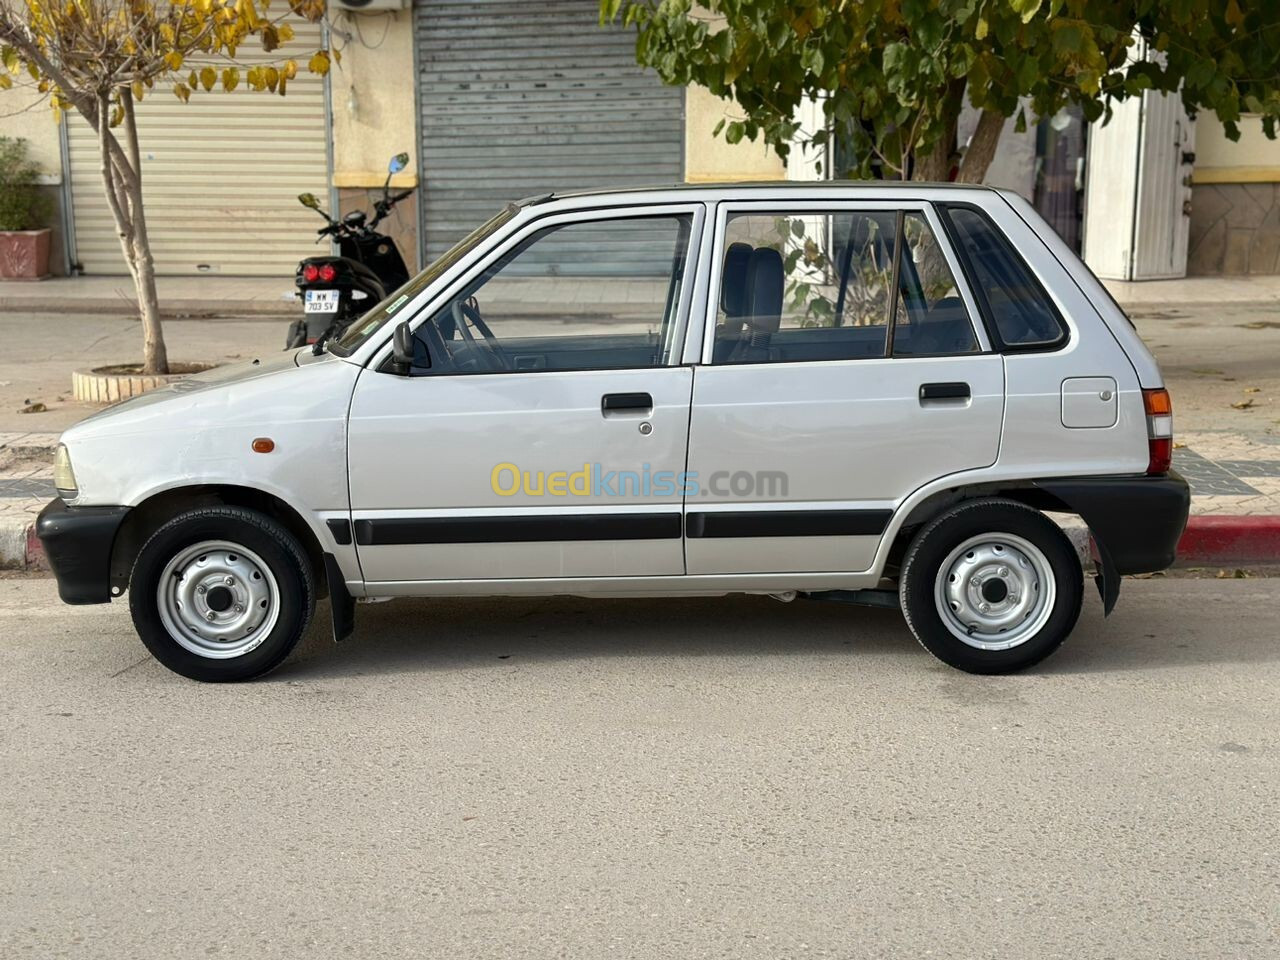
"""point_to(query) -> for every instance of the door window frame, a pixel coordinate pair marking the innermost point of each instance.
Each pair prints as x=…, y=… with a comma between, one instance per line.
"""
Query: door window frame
x=426, y=310
x=705, y=345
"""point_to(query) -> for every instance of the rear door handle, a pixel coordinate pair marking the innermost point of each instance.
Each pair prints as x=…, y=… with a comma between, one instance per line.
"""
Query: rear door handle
x=944, y=391
x=625, y=403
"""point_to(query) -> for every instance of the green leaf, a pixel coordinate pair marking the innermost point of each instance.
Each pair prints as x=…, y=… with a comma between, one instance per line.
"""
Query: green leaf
x=1026, y=9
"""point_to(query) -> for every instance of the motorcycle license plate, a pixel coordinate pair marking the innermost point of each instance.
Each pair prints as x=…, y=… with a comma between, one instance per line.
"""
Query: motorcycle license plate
x=321, y=301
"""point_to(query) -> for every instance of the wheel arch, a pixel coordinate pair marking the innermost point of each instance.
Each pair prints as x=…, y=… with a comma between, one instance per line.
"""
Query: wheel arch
x=918, y=514
x=1037, y=494
x=155, y=511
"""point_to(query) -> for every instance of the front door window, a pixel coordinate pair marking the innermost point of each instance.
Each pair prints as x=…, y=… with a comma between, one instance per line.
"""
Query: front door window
x=588, y=295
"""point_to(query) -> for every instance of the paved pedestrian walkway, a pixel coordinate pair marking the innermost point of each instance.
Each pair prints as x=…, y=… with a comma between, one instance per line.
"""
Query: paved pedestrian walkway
x=251, y=296
x=179, y=296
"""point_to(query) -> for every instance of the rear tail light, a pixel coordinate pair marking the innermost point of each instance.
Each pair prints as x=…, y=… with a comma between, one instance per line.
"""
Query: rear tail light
x=310, y=273
x=327, y=273
x=1159, y=409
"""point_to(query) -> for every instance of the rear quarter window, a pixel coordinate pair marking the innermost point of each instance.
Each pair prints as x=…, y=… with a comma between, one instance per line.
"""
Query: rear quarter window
x=1023, y=315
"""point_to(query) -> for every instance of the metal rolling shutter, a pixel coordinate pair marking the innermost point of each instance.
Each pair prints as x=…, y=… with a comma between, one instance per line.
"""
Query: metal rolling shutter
x=220, y=176
x=519, y=98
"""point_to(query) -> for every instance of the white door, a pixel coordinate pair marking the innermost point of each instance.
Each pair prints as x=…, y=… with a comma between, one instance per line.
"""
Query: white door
x=544, y=428
x=832, y=393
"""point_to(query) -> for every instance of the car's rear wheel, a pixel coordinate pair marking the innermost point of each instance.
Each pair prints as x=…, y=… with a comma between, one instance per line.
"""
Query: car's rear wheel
x=221, y=594
x=991, y=586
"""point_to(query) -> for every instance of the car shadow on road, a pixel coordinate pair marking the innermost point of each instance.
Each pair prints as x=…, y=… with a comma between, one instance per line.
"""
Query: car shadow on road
x=1144, y=633
x=454, y=634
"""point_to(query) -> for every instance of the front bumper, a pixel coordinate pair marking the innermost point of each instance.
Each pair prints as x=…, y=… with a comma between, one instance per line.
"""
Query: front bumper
x=77, y=542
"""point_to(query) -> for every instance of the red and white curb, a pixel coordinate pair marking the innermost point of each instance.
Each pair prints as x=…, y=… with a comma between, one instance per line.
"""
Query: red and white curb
x=20, y=548
x=1222, y=540
x=1210, y=541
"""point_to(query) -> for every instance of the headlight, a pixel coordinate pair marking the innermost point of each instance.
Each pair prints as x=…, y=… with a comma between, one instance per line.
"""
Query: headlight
x=64, y=478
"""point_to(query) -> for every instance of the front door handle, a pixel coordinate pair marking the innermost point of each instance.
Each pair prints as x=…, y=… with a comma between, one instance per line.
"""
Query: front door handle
x=944, y=391
x=625, y=403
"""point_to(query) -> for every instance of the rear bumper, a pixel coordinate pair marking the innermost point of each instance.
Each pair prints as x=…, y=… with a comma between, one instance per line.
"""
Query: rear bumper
x=78, y=542
x=1136, y=520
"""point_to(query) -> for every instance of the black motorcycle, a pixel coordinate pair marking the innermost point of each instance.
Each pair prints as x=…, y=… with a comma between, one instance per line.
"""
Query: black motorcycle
x=337, y=290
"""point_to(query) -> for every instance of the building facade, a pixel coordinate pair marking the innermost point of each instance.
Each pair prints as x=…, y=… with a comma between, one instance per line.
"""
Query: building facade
x=494, y=101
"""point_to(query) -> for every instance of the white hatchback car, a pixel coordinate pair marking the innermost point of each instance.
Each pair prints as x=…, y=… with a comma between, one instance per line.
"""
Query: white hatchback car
x=863, y=391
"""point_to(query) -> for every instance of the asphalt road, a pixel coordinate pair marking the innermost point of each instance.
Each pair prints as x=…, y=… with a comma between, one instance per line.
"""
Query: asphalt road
x=647, y=778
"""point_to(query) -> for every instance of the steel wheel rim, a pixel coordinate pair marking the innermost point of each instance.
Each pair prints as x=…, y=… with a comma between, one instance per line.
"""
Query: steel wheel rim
x=217, y=599
x=995, y=591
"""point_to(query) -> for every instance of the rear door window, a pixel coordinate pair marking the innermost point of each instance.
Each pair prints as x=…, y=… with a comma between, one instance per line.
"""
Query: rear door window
x=1014, y=301
x=843, y=285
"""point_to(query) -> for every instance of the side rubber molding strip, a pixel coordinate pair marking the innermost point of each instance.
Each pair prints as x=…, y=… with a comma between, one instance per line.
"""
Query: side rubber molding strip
x=550, y=528
x=788, y=523
x=78, y=543
x=1135, y=522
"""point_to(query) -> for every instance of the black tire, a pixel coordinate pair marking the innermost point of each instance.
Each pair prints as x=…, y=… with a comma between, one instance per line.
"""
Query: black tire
x=256, y=533
x=932, y=547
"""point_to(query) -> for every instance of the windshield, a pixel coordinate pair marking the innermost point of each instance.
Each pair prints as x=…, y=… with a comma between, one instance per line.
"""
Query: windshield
x=362, y=329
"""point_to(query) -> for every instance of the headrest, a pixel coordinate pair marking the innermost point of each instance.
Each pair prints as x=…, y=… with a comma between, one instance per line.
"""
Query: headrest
x=733, y=284
x=764, y=289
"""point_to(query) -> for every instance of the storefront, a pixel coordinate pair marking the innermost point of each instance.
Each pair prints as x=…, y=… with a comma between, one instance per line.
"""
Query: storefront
x=221, y=175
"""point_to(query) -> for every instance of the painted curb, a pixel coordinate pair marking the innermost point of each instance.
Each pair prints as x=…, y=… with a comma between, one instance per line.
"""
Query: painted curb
x=20, y=548
x=1223, y=540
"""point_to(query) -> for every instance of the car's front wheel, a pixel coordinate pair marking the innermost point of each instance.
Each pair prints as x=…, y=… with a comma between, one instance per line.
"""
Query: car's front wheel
x=221, y=593
x=991, y=586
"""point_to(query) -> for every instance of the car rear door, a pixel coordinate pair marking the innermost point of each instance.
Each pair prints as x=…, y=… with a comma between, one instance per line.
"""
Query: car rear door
x=842, y=370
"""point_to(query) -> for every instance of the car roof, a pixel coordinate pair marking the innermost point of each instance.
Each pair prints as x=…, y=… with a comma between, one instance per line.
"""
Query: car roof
x=760, y=189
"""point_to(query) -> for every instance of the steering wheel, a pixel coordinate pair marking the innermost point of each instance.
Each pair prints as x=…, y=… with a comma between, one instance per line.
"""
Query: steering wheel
x=466, y=314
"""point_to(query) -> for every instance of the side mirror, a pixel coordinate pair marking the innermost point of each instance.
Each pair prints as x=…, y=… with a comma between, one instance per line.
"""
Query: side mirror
x=398, y=163
x=402, y=349
x=309, y=200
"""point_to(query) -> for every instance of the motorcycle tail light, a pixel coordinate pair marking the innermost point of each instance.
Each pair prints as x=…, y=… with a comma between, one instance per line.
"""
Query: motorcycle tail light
x=310, y=273
x=327, y=273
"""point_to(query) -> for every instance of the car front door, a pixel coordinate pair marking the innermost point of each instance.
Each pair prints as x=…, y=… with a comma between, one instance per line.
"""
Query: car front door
x=841, y=371
x=542, y=430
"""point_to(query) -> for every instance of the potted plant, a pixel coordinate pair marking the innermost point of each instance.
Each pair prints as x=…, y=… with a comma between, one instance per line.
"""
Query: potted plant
x=24, y=242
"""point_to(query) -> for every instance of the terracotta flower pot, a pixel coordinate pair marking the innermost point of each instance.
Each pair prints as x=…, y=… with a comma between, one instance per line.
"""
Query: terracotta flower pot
x=24, y=254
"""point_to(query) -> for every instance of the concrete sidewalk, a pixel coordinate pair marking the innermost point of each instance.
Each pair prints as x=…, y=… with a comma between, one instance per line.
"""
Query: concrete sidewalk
x=211, y=296
x=219, y=296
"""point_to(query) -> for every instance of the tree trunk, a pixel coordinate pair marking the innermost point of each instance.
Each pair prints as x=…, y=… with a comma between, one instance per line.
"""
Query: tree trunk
x=934, y=166
x=937, y=165
x=155, y=356
x=982, y=147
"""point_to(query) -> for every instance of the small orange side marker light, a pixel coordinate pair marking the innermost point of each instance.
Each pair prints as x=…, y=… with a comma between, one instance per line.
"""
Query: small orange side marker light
x=263, y=445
